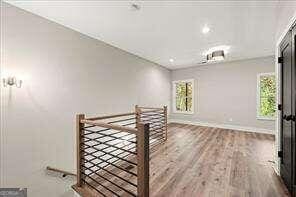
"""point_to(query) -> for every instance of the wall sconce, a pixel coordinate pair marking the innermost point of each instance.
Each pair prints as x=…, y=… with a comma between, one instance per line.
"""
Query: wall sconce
x=12, y=81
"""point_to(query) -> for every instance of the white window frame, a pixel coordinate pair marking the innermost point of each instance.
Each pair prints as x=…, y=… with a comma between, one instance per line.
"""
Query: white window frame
x=174, y=96
x=259, y=97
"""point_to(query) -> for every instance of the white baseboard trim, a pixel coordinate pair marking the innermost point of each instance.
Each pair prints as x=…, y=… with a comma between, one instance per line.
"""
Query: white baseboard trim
x=224, y=126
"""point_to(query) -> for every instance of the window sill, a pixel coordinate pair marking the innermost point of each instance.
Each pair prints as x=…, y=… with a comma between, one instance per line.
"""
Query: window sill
x=265, y=118
x=182, y=112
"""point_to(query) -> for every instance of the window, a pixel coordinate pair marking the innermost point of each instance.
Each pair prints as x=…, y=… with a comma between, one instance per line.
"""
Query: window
x=183, y=96
x=266, y=91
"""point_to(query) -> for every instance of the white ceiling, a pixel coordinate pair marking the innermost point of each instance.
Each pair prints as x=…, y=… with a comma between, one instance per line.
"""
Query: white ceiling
x=162, y=30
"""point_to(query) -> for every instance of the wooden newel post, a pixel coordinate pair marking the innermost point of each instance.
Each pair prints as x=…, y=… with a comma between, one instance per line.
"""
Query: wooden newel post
x=165, y=110
x=143, y=159
x=79, y=127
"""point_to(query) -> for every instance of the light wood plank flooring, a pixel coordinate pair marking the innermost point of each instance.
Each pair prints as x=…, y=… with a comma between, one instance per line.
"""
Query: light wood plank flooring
x=208, y=162
x=211, y=162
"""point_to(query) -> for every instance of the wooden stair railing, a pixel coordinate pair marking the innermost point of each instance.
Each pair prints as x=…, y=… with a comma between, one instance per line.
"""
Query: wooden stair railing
x=156, y=117
x=113, y=151
x=63, y=172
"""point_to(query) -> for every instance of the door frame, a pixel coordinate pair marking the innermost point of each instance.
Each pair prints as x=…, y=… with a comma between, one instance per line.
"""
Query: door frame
x=290, y=24
x=287, y=40
x=293, y=29
x=279, y=98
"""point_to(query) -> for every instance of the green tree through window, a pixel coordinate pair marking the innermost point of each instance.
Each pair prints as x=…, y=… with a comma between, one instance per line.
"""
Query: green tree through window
x=267, y=93
x=183, y=96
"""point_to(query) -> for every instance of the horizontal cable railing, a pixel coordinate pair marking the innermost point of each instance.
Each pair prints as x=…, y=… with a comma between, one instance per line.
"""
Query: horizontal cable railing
x=113, y=151
x=157, y=119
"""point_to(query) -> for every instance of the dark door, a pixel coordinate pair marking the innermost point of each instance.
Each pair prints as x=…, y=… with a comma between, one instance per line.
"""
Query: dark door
x=287, y=123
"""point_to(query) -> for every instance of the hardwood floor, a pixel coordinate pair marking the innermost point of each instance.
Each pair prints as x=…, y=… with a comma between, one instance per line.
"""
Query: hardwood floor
x=208, y=162
x=211, y=162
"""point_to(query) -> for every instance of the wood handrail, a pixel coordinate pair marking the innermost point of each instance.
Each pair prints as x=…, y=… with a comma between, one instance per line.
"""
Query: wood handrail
x=65, y=173
x=158, y=108
x=110, y=126
x=111, y=116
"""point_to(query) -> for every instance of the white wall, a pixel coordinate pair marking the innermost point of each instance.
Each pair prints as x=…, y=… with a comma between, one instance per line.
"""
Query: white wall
x=286, y=16
x=64, y=73
x=225, y=94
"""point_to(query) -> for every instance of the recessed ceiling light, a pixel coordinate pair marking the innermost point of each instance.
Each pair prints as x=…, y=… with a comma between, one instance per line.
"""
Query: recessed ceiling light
x=171, y=60
x=205, y=29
